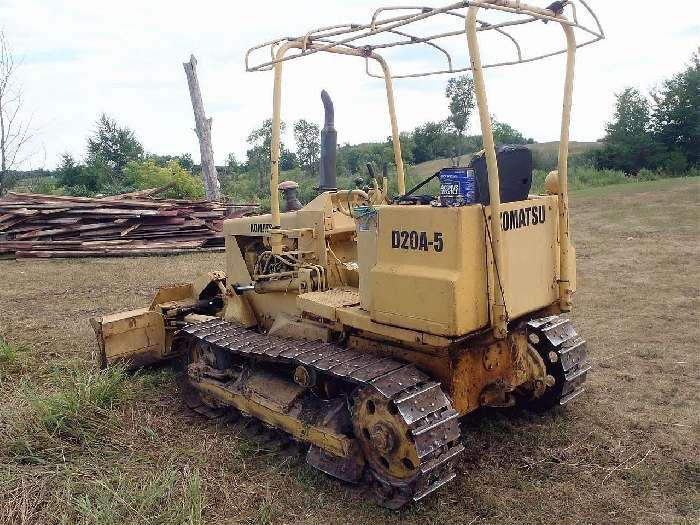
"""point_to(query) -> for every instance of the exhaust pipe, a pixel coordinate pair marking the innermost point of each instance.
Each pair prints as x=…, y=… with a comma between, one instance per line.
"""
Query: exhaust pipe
x=329, y=147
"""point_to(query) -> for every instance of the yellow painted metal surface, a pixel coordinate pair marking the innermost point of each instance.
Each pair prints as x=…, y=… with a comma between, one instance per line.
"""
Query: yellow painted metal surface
x=263, y=307
x=473, y=374
x=367, y=232
x=493, y=366
x=137, y=337
x=181, y=293
x=356, y=317
x=326, y=304
x=430, y=273
x=336, y=444
x=384, y=436
x=237, y=309
x=497, y=262
x=327, y=228
x=531, y=254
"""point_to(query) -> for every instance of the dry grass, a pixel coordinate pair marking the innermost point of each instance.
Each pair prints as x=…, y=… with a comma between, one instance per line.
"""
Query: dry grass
x=88, y=447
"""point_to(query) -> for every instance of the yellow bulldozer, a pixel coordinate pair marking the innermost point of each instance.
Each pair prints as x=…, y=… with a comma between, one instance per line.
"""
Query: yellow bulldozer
x=366, y=325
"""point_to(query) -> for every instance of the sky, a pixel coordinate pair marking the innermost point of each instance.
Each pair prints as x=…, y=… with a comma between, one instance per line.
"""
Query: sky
x=80, y=58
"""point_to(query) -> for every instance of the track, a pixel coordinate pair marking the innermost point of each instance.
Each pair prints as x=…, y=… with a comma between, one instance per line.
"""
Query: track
x=566, y=355
x=386, y=396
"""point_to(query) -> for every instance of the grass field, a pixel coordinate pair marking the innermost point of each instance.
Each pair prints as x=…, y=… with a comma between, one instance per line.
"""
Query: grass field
x=88, y=447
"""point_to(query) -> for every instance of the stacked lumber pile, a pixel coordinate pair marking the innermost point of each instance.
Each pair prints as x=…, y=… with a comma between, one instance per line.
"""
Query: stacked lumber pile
x=49, y=226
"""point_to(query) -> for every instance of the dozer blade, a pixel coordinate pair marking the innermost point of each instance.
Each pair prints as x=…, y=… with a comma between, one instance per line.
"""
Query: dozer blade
x=136, y=338
x=139, y=337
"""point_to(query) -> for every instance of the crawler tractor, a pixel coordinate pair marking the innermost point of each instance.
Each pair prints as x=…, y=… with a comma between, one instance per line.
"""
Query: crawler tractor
x=366, y=323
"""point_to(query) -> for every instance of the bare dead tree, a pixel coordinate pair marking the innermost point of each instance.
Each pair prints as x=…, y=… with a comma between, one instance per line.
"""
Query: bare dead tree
x=15, y=133
x=203, y=130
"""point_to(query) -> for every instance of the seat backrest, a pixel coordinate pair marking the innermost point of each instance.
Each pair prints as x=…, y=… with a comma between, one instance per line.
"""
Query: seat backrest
x=514, y=170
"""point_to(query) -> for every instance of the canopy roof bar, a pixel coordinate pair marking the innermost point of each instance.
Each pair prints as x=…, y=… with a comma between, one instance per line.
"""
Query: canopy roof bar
x=387, y=23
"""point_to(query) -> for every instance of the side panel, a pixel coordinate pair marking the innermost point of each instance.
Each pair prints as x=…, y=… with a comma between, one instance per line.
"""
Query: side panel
x=431, y=269
x=531, y=254
x=431, y=273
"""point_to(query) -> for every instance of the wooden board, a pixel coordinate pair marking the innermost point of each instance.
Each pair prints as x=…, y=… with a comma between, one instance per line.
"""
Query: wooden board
x=49, y=226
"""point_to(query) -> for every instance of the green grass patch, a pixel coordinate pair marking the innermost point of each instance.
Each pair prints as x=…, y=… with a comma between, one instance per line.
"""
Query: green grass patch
x=305, y=475
x=57, y=419
x=248, y=448
x=634, y=186
x=266, y=509
x=13, y=356
x=80, y=410
x=155, y=379
x=15, y=360
x=7, y=353
x=583, y=178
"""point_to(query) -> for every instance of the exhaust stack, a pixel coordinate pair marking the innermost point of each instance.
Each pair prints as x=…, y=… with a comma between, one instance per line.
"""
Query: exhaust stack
x=329, y=146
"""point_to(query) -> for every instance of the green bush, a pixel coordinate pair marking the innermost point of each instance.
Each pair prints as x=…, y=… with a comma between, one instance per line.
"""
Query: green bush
x=545, y=159
x=580, y=178
x=43, y=185
x=647, y=175
x=673, y=162
x=147, y=174
x=589, y=177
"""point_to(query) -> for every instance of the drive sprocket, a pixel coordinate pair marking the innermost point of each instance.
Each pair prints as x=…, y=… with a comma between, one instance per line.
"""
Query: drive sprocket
x=410, y=441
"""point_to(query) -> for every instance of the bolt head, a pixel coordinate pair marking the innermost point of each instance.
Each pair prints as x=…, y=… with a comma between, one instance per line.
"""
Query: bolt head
x=383, y=438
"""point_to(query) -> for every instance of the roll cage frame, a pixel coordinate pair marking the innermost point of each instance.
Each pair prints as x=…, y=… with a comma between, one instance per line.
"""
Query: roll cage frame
x=353, y=40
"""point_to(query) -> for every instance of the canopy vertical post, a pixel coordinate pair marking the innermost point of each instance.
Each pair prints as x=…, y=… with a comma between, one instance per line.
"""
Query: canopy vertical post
x=276, y=136
x=499, y=316
x=565, y=288
x=395, y=136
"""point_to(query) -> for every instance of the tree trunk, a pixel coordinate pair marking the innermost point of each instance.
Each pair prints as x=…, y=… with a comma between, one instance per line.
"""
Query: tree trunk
x=261, y=176
x=3, y=150
x=203, y=130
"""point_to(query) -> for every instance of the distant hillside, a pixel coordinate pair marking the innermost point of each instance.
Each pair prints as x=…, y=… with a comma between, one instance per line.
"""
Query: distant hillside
x=545, y=153
x=575, y=148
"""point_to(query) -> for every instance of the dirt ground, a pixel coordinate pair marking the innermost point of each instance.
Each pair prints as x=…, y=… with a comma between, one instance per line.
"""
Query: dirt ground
x=131, y=453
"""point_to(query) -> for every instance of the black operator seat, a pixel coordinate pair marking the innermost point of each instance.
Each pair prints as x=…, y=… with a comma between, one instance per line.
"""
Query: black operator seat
x=514, y=173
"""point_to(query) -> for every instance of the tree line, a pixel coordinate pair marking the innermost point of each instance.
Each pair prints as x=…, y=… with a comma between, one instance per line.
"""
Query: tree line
x=656, y=132
x=116, y=162
x=443, y=139
x=659, y=131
